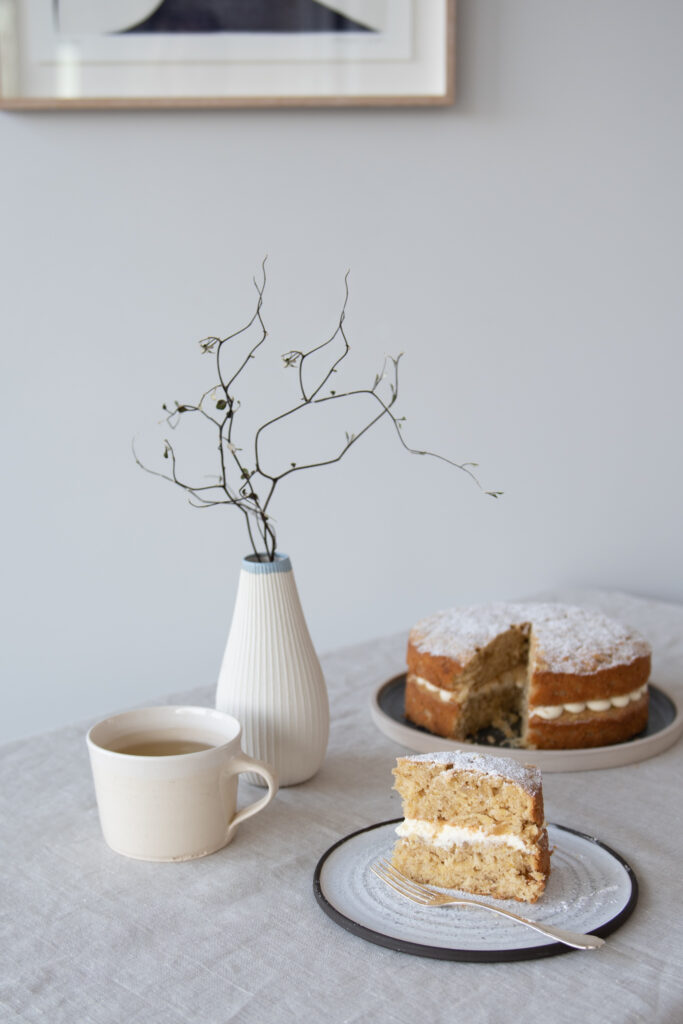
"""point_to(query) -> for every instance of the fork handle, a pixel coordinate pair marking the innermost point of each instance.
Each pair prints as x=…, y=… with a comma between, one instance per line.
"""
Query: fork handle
x=574, y=939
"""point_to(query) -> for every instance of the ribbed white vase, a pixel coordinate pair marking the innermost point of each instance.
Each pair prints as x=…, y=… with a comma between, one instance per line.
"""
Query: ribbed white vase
x=270, y=678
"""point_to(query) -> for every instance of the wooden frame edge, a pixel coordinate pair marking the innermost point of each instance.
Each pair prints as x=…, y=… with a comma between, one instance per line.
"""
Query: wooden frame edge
x=21, y=104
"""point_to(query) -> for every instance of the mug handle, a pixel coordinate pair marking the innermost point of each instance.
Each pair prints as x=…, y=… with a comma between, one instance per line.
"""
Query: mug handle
x=243, y=763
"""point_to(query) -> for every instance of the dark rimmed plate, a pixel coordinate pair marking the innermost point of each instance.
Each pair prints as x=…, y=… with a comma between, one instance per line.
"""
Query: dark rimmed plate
x=665, y=726
x=591, y=889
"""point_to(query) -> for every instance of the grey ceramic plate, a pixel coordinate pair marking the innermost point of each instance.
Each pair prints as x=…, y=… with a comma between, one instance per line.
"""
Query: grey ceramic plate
x=590, y=889
x=664, y=727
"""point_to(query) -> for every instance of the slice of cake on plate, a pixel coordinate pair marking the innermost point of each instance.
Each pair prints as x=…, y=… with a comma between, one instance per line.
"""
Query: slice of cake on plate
x=472, y=822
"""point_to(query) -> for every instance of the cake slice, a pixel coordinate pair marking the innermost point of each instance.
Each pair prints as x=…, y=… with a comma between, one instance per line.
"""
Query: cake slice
x=472, y=822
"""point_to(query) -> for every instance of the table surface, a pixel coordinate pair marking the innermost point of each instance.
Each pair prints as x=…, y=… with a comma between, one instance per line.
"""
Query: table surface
x=90, y=936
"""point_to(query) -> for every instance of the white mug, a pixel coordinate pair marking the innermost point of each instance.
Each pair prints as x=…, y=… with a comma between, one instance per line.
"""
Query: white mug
x=166, y=781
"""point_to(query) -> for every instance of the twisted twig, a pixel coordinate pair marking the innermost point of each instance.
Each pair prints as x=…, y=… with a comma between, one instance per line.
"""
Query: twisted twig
x=245, y=495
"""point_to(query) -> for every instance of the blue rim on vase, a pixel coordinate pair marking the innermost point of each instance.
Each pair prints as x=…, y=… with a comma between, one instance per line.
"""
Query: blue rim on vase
x=260, y=566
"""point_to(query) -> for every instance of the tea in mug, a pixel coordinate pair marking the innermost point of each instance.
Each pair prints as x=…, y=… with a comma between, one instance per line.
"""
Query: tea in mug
x=159, y=747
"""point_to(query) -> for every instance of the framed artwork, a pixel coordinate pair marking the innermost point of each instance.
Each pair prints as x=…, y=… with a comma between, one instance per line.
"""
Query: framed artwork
x=225, y=53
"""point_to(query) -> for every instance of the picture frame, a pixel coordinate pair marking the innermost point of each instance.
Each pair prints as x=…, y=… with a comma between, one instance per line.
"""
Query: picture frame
x=76, y=54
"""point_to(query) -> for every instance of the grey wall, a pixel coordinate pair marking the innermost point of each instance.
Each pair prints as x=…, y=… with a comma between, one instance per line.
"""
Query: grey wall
x=522, y=247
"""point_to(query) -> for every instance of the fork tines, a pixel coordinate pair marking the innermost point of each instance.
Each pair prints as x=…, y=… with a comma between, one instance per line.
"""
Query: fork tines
x=402, y=885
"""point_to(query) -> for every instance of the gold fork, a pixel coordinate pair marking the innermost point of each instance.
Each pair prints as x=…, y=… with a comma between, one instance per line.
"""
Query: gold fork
x=426, y=897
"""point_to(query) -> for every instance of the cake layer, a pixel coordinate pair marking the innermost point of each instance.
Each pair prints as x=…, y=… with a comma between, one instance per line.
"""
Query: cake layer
x=494, y=871
x=428, y=656
x=589, y=728
x=443, y=718
x=495, y=794
x=455, y=717
x=567, y=639
x=562, y=687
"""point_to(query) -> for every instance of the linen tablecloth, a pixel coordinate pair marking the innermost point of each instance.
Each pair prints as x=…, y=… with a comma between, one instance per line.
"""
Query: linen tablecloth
x=90, y=936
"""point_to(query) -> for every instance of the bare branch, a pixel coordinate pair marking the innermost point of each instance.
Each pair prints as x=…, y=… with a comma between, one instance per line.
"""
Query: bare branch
x=244, y=495
x=254, y=348
x=339, y=331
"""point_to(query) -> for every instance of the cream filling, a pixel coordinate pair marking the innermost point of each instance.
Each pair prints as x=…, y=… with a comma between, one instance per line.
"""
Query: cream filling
x=514, y=677
x=446, y=837
x=517, y=677
x=551, y=711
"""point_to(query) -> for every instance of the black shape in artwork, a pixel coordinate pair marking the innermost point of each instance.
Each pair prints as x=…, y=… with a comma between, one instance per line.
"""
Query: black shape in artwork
x=246, y=16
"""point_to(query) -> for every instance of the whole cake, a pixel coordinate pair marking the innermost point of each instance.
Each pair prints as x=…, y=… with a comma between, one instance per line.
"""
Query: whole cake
x=472, y=822
x=574, y=677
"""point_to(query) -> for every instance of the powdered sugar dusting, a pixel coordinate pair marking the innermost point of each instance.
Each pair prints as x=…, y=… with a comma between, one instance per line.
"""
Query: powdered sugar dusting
x=528, y=776
x=568, y=639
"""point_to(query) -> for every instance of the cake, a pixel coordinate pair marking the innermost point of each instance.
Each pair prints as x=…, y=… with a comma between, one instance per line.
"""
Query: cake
x=571, y=676
x=472, y=822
